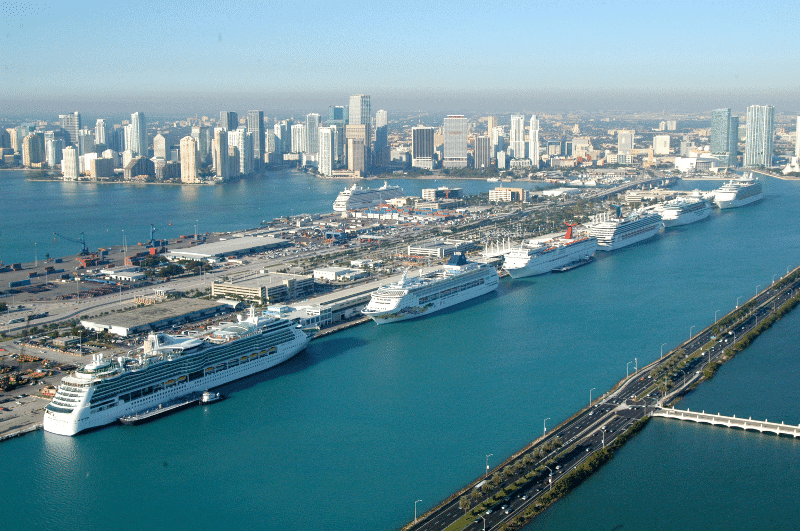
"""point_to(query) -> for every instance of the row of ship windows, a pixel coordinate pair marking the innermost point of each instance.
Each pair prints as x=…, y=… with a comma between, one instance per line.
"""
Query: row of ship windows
x=452, y=291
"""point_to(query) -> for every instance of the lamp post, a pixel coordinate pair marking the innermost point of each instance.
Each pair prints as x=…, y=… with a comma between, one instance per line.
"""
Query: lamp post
x=590, y=395
x=484, y=523
x=715, y=316
x=690, y=332
x=737, y=301
x=662, y=351
x=545, y=426
x=487, y=463
x=635, y=365
x=603, y=430
x=757, y=289
x=415, y=510
x=773, y=279
x=627, y=369
x=35, y=254
x=551, y=476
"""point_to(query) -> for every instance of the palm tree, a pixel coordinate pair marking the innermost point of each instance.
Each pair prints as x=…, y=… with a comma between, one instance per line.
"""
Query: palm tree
x=464, y=503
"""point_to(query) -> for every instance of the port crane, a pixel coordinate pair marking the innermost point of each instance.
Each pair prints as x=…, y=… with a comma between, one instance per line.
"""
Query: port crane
x=81, y=240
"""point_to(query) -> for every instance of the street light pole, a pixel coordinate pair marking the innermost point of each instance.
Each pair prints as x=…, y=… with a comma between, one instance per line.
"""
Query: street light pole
x=737, y=301
x=415, y=510
x=484, y=523
x=487, y=463
x=35, y=254
x=690, y=332
x=545, y=426
x=757, y=289
x=590, y=395
x=715, y=316
x=627, y=369
x=662, y=351
x=551, y=476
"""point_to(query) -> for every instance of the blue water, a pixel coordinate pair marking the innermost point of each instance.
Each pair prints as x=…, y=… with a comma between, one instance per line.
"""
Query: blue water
x=33, y=210
x=349, y=433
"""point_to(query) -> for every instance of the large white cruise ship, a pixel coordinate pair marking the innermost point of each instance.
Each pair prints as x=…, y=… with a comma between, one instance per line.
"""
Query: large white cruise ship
x=738, y=192
x=619, y=232
x=537, y=257
x=684, y=210
x=457, y=281
x=167, y=367
x=356, y=197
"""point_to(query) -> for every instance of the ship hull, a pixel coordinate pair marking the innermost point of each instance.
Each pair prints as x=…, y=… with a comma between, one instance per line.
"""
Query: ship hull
x=545, y=263
x=687, y=218
x=622, y=241
x=735, y=203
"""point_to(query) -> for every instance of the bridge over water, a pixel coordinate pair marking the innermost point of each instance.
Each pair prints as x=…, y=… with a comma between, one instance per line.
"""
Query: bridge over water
x=762, y=426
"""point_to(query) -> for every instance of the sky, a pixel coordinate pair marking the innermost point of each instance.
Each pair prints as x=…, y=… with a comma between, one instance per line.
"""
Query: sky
x=198, y=56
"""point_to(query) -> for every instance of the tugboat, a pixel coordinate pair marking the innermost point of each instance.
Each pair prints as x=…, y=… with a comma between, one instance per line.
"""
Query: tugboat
x=209, y=398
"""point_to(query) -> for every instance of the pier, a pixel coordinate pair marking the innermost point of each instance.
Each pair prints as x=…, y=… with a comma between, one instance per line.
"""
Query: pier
x=762, y=426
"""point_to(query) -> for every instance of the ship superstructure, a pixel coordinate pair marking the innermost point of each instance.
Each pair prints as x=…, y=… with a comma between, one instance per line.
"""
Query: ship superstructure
x=536, y=257
x=684, y=210
x=617, y=232
x=357, y=198
x=167, y=367
x=738, y=192
x=457, y=281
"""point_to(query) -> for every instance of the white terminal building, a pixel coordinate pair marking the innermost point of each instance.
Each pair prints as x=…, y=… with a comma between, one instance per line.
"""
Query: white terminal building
x=232, y=247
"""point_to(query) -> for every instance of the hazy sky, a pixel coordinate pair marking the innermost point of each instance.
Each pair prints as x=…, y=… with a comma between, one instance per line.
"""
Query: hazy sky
x=588, y=55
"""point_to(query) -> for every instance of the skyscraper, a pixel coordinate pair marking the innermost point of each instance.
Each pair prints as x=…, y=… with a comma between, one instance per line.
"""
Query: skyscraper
x=53, y=148
x=517, y=136
x=33, y=149
x=625, y=141
x=298, y=138
x=482, y=152
x=327, y=149
x=202, y=134
x=255, y=125
x=381, y=118
x=71, y=123
x=359, y=109
x=189, y=160
x=228, y=120
x=220, y=154
x=138, y=145
x=243, y=142
x=312, y=133
x=336, y=113
x=69, y=164
x=498, y=139
x=85, y=142
x=760, y=130
x=160, y=147
x=455, y=142
x=361, y=132
x=724, y=136
x=356, y=151
x=422, y=147
x=533, y=139
x=100, y=132
x=491, y=123
x=661, y=145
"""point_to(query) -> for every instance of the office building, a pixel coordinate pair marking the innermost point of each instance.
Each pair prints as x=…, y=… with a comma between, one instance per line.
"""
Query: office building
x=160, y=147
x=228, y=120
x=422, y=147
x=381, y=118
x=242, y=140
x=298, y=138
x=337, y=113
x=33, y=150
x=100, y=131
x=672, y=125
x=759, y=131
x=327, y=149
x=363, y=133
x=255, y=125
x=516, y=140
x=498, y=139
x=381, y=150
x=661, y=144
x=491, y=123
x=85, y=142
x=554, y=148
x=202, y=134
x=53, y=148
x=625, y=141
x=139, y=169
x=220, y=154
x=115, y=139
x=455, y=142
x=312, y=133
x=70, y=166
x=189, y=160
x=101, y=168
x=356, y=154
x=138, y=135
x=71, y=123
x=359, y=110
x=724, y=136
x=533, y=141
x=482, y=152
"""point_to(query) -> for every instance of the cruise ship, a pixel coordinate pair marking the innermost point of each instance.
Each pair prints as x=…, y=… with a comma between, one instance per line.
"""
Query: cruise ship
x=684, y=210
x=738, y=192
x=619, y=232
x=537, y=257
x=356, y=197
x=167, y=367
x=457, y=281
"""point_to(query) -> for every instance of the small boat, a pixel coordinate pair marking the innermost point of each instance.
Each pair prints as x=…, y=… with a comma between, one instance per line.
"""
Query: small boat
x=574, y=265
x=209, y=397
x=160, y=411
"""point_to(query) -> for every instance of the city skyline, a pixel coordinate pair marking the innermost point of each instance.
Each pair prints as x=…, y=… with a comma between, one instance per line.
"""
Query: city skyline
x=628, y=67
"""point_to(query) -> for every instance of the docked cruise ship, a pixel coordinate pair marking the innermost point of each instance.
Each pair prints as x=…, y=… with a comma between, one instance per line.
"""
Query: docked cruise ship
x=457, y=281
x=619, y=232
x=738, y=192
x=167, y=367
x=542, y=256
x=356, y=197
x=684, y=210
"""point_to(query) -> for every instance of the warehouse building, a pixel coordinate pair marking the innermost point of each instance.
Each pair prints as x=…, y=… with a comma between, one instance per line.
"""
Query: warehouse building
x=160, y=316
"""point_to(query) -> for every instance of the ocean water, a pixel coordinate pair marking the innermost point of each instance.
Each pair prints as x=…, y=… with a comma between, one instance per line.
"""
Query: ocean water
x=349, y=433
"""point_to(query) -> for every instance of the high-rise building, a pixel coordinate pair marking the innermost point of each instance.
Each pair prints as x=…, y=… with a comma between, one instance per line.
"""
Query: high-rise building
x=5, y=138
x=381, y=150
x=672, y=125
x=53, y=148
x=498, y=139
x=356, y=154
x=381, y=119
x=797, y=139
x=359, y=109
x=724, y=136
x=71, y=123
x=160, y=147
x=312, y=133
x=337, y=113
x=189, y=160
x=455, y=142
x=138, y=145
x=760, y=130
x=255, y=125
x=298, y=138
x=491, y=123
x=482, y=152
x=220, y=154
x=115, y=139
x=85, y=142
x=100, y=132
x=533, y=140
x=361, y=132
x=70, y=166
x=228, y=120
x=661, y=144
x=327, y=149
x=202, y=134
x=243, y=142
x=517, y=136
x=625, y=141
x=422, y=147
x=33, y=150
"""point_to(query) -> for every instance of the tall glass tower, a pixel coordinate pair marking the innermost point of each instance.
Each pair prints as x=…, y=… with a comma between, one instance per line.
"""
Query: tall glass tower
x=760, y=130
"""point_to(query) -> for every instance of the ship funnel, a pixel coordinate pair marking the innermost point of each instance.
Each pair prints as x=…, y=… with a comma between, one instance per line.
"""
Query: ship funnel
x=618, y=208
x=568, y=235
